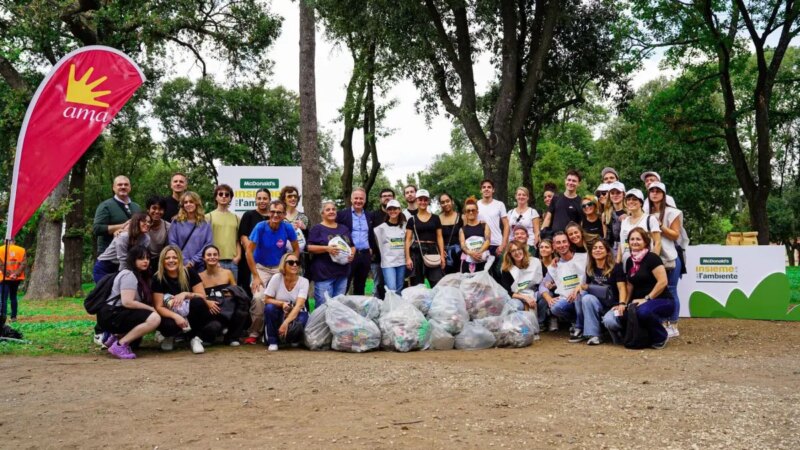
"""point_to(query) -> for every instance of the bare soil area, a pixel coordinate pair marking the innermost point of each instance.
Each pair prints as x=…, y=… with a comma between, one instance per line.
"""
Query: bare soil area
x=722, y=384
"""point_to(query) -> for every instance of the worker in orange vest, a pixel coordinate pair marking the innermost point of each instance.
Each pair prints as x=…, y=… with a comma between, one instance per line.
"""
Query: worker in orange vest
x=12, y=272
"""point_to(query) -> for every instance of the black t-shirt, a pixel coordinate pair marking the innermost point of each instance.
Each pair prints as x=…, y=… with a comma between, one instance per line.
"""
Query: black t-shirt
x=617, y=275
x=172, y=286
x=450, y=232
x=172, y=208
x=564, y=210
x=595, y=227
x=644, y=280
x=425, y=230
x=249, y=221
x=474, y=230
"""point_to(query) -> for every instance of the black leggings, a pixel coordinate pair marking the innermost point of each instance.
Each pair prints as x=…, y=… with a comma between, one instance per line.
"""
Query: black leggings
x=203, y=323
x=421, y=271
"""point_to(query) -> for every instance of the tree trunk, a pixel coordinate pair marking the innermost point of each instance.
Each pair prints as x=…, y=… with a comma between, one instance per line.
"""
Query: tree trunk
x=349, y=162
x=368, y=176
x=790, y=253
x=309, y=153
x=75, y=231
x=44, y=275
x=527, y=158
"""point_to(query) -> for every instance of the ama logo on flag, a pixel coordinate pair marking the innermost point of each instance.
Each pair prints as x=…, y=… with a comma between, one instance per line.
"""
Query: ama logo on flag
x=82, y=92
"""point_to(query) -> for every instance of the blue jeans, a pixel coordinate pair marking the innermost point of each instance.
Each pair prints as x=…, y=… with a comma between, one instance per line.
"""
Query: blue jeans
x=103, y=268
x=8, y=290
x=672, y=284
x=592, y=315
x=569, y=311
x=613, y=325
x=393, y=278
x=332, y=287
x=273, y=318
x=232, y=267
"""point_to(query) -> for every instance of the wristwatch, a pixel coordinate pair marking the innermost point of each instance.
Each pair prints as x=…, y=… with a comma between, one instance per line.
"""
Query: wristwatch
x=646, y=298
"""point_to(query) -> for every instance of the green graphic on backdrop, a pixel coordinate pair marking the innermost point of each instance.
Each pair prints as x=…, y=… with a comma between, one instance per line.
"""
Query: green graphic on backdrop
x=769, y=301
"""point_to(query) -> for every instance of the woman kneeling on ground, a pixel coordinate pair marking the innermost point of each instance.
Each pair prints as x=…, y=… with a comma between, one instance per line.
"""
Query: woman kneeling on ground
x=646, y=288
x=521, y=275
x=605, y=285
x=215, y=281
x=180, y=300
x=285, y=299
x=129, y=312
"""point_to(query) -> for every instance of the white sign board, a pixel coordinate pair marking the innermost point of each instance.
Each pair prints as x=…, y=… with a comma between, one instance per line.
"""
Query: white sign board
x=718, y=270
x=247, y=180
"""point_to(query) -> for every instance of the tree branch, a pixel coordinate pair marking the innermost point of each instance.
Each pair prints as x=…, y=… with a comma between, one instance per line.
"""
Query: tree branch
x=12, y=77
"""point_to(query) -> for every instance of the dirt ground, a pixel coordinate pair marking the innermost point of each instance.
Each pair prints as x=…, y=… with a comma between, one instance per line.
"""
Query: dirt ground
x=722, y=384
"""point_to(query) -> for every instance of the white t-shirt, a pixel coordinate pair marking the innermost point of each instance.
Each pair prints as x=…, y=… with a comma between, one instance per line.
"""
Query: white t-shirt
x=527, y=278
x=492, y=214
x=276, y=289
x=628, y=224
x=646, y=206
x=568, y=274
x=668, y=250
x=525, y=219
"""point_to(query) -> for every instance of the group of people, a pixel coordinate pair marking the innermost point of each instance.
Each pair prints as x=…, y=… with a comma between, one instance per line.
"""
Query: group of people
x=208, y=276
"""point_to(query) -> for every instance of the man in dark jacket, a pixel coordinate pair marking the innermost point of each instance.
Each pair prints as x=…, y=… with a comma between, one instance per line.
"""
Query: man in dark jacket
x=359, y=221
x=113, y=214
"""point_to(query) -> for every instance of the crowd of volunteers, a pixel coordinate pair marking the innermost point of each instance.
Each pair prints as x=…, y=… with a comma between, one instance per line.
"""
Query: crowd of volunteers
x=605, y=265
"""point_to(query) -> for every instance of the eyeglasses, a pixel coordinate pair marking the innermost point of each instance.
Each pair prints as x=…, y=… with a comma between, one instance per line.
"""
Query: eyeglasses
x=587, y=205
x=223, y=194
x=470, y=211
x=292, y=262
x=275, y=213
x=292, y=196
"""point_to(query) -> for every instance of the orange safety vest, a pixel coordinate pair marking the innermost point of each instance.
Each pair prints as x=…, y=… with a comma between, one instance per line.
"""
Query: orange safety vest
x=16, y=256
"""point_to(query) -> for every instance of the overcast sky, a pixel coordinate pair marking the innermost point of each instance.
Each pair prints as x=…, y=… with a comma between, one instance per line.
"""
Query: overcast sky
x=413, y=143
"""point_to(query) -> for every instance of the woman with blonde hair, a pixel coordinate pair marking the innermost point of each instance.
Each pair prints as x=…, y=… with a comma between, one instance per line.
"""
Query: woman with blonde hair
x=520, y=275
x=189, y=230
x=285, y=313
x=525, y=216
x=591, y=222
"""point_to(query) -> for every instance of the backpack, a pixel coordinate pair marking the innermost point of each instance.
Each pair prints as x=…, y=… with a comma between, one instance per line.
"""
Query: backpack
x=98, y=298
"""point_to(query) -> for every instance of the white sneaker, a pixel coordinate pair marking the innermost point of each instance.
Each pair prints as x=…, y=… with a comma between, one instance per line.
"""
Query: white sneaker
x=168, y=344
x=98, y=339
x=672, y=330
x=272, y=348
x=235, y=343
x=553, y=324
x=594, y=340
x=197, y=345
x=159, y=337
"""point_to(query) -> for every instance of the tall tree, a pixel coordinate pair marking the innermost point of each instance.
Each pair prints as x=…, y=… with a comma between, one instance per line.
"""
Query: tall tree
x=309, y=152
x=721, y=31
x=35, y=33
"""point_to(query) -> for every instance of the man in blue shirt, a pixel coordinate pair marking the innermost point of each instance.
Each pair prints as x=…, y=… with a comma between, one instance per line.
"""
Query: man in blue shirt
x=360, y=223
x=269, y=241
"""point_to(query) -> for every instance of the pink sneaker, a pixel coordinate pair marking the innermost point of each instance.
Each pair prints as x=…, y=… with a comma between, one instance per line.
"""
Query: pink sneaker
x=121, y=351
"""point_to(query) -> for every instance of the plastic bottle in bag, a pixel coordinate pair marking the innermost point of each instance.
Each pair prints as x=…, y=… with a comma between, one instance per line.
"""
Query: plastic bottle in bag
x=483, y=296
x=351, y=332
x=448, y=309
x=515, y=331
x=419, y=296
x=474, y=337
x=403, y=327
x=441, y=339
x=317, y=335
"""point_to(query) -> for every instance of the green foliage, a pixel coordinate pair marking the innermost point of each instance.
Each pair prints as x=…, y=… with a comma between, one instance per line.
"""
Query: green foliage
x=770, y=300
x=206, y=124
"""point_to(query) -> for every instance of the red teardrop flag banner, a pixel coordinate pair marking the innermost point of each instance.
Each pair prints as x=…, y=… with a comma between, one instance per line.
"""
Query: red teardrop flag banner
x=73, y=104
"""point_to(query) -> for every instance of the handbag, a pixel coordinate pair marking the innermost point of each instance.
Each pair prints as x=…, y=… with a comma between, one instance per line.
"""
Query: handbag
x=428, y=260
x=603, y=293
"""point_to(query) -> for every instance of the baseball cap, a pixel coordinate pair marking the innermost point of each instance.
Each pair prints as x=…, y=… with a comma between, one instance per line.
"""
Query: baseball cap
x=393, y=204
x=646, y=174
x=635, y=193
x=659, y=185
x=423, y=193
x=616, y=185
x=609, y=170
x=605, y=187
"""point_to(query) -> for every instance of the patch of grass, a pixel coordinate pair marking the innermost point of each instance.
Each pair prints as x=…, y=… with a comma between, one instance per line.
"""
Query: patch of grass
x=66, y=337
x=794, y=283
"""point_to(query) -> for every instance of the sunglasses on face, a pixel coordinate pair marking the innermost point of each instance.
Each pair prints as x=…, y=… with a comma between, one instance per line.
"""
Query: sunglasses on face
x=275, y=213
x=469, y=211
x=292, y=262
x=291, y=196
x=587, y=205
x=223, y=194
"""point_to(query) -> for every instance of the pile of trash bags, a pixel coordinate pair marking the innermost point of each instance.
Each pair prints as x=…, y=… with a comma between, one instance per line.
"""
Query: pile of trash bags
x=465, y=312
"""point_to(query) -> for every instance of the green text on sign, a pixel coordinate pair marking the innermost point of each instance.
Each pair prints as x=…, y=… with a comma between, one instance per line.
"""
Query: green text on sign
x=258, y=183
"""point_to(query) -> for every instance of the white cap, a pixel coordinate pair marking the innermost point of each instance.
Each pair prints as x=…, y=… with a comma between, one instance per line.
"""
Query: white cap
x=423, y=193
x=605, y=187
x=393, y=204
x=659, y=185
x=636, y=193
x=646, y=174
x=616, y=185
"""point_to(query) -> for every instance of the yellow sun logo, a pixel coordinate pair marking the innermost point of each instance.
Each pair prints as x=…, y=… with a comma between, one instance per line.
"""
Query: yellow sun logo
x=81, y=91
